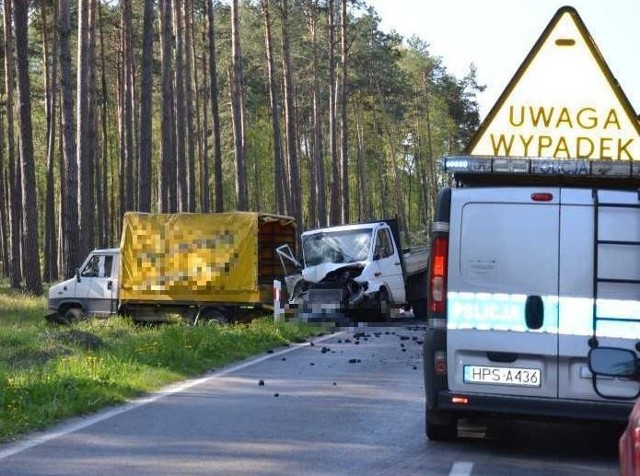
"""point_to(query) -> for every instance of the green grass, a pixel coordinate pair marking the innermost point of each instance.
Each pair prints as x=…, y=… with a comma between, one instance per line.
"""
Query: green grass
x=49, y=373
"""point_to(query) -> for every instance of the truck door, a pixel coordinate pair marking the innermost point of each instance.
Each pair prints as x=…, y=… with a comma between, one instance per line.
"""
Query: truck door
x=387, y=263
x=612, y=278
x=97, y=287
x=502, y=300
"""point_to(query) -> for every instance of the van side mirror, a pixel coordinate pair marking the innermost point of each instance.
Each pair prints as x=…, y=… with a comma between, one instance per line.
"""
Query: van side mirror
x=78, y=274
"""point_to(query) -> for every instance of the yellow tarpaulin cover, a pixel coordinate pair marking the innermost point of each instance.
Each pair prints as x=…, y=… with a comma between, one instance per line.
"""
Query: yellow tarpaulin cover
x=190, y=257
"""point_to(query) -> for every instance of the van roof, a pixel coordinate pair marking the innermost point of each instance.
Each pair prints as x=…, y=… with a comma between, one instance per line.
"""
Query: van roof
x=503, y=171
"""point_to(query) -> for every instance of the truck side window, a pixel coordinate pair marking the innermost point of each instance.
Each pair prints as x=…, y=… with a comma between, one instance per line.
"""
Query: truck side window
x=91, y=269
x=98, y=267
x=384, y=248
x=108, y=264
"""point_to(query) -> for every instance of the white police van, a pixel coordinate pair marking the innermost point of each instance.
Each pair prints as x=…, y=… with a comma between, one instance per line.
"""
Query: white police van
x=535, y=262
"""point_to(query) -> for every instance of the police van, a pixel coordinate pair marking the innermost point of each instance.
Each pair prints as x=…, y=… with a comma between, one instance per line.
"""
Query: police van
x=535, y=250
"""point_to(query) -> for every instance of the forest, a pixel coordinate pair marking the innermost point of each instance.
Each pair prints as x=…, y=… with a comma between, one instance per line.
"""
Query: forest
x=302, y=108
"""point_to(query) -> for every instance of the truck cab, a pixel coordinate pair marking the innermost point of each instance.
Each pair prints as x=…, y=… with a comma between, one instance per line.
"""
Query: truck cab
x=356, y=270
x=93, y=291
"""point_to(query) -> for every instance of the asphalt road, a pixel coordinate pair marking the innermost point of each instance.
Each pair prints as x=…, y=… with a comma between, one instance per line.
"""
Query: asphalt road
x=351, y=403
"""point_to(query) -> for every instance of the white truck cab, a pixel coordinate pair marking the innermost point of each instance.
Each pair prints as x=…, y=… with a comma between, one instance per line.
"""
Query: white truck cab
x=93, y=291
x=359, y=269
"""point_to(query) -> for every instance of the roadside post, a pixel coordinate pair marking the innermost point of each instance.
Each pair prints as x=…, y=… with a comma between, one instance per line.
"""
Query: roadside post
x=278, y=311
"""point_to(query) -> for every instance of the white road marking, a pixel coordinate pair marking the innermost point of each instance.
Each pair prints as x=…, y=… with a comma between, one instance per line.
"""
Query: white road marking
x=461, y=468
x=66, y=429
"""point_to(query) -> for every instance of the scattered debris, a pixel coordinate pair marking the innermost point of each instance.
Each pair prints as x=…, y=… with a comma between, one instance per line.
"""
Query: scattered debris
x=261, y=383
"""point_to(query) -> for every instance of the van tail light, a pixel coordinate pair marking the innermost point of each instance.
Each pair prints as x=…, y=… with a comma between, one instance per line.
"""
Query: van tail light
x=438, y=276
x=440, y=362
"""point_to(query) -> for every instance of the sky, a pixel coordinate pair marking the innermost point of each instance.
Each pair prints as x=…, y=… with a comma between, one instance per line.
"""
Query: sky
x=497, y=35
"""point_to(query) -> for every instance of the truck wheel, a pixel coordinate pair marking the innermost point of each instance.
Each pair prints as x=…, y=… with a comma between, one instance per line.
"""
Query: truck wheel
x=441, y=426
x=383, y=307
x=74, y=314
x=214, y=315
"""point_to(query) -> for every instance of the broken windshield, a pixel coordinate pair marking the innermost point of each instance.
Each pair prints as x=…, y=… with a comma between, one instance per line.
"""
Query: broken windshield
x=346, y=246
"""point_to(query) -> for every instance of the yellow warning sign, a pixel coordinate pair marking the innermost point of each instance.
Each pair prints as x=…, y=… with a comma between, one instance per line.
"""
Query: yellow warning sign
x=563, y=102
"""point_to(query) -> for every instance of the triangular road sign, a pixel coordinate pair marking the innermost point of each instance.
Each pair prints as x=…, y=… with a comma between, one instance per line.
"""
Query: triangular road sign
x=563, y=102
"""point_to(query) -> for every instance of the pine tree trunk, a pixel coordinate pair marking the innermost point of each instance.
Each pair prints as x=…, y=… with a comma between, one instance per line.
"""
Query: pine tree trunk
x=295, y=208
x=31, y=258
x=50, y=271
x=215, y=110
x=344, y=119
x=336, y=199
x=362, y=171
x=191, y=132
x=317, y=186
x=92, y=129
x=237, y=110
x=70, y=228
x=279, y=184
x=181, y=157
x=105, y=203
x=146, y=112
x=15, y=190
x=4, y=205
x=202, y=102
x=84, y=150
x=168, y=198
x=128, y=107
x=4, y=219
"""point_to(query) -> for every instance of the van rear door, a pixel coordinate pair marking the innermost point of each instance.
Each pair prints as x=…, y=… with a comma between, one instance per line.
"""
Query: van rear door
x=616, y=278
x=502, y=300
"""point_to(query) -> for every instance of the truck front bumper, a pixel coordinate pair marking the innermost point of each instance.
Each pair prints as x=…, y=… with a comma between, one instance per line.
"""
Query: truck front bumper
x=331, y=304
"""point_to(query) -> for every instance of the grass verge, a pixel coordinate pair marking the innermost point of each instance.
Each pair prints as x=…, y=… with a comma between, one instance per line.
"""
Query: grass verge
x=49, y=373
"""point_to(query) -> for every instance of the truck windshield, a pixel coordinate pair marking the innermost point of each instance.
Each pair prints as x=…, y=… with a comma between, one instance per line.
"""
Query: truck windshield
x=336, y=247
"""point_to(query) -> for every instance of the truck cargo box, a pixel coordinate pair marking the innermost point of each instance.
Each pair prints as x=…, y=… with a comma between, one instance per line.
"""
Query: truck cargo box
x=226, y=258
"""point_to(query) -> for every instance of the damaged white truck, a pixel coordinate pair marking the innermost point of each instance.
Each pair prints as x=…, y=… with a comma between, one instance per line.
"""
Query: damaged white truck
x=357, y=272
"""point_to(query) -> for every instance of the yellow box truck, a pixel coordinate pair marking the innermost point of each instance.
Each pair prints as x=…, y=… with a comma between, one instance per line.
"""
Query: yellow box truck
x=196, y=265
